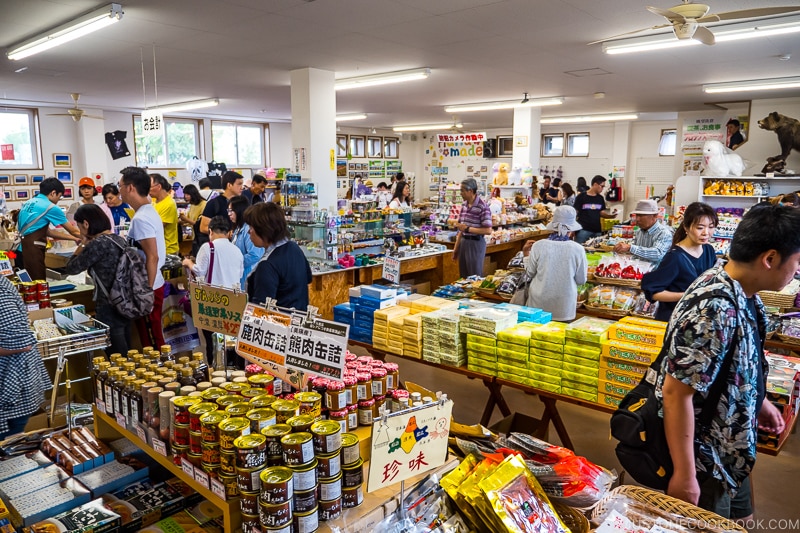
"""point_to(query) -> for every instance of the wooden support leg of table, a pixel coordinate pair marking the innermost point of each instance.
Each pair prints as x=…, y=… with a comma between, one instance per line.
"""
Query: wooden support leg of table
x=551, y=414
x=495, y=399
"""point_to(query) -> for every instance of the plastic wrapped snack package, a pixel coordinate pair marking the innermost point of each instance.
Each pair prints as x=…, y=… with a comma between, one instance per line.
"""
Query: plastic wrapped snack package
x=518, y=501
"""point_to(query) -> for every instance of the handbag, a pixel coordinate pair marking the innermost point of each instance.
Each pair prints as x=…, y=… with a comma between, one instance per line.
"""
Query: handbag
x=210, y=274
x=642, y=449
x=520, y=296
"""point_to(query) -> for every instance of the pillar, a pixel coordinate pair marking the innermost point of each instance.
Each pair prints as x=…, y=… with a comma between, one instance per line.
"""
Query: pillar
x=314, y=130
x=527, y=132
x=91, y=143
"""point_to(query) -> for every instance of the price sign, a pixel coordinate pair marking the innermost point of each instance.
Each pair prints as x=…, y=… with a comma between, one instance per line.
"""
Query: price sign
x=409, y=443
x=187, y=467
x=101, y=405
x=121, y=420
x=317, y=346
x=141, y=434
x=217, y=309
x=201, y=477
x=218, y=488
x=159, y=447
x=263, y=335
x=391, y=269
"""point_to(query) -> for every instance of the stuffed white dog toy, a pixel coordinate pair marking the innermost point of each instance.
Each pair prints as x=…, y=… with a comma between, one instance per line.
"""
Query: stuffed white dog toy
x=720, y=161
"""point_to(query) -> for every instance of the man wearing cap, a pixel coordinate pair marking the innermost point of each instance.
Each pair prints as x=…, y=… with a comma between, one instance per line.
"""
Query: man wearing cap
x=86, y=191
x=474, y=221
x=653, y=240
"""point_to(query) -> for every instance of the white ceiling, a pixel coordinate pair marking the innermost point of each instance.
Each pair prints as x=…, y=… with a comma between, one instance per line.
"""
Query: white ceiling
x=479, y=50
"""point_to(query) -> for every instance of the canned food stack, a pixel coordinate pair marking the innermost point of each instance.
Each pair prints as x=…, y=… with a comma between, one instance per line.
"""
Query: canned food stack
x=35, y=292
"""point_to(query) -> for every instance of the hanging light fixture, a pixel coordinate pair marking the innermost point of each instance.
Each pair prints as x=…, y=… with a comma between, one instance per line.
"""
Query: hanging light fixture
x=383, y=79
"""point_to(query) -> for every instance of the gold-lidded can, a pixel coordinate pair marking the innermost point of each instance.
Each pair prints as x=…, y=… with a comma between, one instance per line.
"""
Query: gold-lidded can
x=263, y=400
x=310, y=403
x=277, y=484
x=327, y=436
x=197, y=410
x=238, y=409
x=230, y=429
x=300, y=423
x=274, y=435
x=209, y=425
x=351, y=452
x=251, y=451
x=275, y=515
x=260, y=418
x=298, y=448
x=305, y=476
x=285, y=409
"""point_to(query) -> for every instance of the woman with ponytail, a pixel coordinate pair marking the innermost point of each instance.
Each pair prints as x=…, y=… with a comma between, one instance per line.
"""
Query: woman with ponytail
x=690, y=256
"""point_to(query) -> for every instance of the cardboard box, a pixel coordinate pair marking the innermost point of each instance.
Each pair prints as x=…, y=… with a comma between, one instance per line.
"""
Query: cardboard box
x=608, y=400
x=521, y=423
x=647, y=336
x=612, y=388
x=612, y=376
x=623, y=367
x=630, y=352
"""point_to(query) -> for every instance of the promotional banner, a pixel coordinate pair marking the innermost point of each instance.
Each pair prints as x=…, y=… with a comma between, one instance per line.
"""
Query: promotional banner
x=263, y=335
x=317, y=346
x=217, y=309
x=694, y=136
x=408, y=443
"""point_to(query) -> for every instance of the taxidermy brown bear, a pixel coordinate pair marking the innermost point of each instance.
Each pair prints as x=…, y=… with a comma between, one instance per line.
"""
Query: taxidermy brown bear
x=788, y=131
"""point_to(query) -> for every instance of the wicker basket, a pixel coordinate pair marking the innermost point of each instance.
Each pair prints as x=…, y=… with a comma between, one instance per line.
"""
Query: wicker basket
x=788, y=339
x=777, y=299
x=572, y=518
x=619, y=282
x=713, y=522
x=607, y=310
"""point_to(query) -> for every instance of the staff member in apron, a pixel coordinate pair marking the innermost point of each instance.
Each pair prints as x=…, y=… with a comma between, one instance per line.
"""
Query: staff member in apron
x=474, y=222
x=35, y=217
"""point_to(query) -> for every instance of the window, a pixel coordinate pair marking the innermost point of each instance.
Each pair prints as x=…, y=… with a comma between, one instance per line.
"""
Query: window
x=667, y=144
x=178, y=142
x=552, y=145
x=391, y=148
x=238, y=144
x=577, y=144
x=19, y=135
x=357, y=146
x=375, y=146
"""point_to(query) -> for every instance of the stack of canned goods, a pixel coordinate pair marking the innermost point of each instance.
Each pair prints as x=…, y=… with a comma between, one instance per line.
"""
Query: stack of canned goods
x=33, y=292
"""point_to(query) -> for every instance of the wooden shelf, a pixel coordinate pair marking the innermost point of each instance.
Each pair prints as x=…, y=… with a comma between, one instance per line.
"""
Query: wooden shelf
x=107, y=428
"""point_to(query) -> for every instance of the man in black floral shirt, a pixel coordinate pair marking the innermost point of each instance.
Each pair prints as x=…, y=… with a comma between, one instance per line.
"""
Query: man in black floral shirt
x=712, y=465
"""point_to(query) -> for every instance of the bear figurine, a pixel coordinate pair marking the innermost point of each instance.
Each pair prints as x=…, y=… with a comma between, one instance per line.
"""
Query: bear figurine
x=788, y=131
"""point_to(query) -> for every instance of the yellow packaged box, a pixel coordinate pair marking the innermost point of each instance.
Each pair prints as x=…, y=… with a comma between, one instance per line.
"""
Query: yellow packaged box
x=540, y=368
x=545, y=386
x=583, y=395
x=483, y=348
x=574, y=376
x=544, y=378
x=613, y=389
x=612, y=376
x=512, y=369
x=582, y=350
x=475, y=367
x=477, y=339
x=578, y=385
x=589, y=329
x=383, y=315
x=546, y=355
x=581, y=369
x=647, y=336
x=509, y=355
x=512, y=347
x=552, y=363
x=575, y=360
x=487, y=358
x=623, y=367
x=412, y=321
x=630, y=352
x=515, y=335
x=607, y=400
x=550, y=332
x=546, y=345
x=646, y=322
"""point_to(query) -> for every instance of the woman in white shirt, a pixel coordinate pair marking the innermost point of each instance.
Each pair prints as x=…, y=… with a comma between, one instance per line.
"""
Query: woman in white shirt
x=223, y=268
x=401, y=196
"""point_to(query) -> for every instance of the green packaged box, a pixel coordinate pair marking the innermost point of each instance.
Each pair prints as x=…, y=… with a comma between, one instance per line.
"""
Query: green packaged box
x=588, y=396
x=581, y=369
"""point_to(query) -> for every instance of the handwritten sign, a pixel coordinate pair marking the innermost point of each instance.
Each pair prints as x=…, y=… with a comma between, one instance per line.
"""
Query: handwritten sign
x=408, y=443
x=263, y=335
x=317, y=346
x=391, y=269
x=218, y=488
x=152, y=122
x=217, y=309
x=160, y=447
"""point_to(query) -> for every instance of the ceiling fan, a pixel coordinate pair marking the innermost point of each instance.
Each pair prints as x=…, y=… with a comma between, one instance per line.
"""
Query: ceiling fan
x=687, y=19
x=457, y=126
x=75, y=112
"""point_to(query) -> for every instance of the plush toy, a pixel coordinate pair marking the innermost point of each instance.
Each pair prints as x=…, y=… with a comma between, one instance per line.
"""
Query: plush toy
x=720, y=161
x=515, y=178
x=502, y=175
x=711, y=188
x=495, y=170
x=527, y=175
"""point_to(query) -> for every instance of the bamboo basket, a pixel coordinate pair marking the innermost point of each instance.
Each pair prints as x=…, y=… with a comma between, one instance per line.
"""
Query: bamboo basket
x=712, y=521
x=572, y=518
x=777, y=299
x=788, y=339
x=619, y=282
x=619, y=313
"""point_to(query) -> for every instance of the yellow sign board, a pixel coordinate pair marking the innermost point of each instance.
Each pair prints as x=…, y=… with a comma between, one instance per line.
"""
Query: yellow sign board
x=217, y=309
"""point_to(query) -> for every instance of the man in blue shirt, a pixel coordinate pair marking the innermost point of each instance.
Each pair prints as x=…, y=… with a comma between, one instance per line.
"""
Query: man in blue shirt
x=34, y=221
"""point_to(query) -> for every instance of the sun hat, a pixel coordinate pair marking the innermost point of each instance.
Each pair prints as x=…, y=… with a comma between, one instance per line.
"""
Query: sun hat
x=645, y=207
x=564, y=220
x=86, y=182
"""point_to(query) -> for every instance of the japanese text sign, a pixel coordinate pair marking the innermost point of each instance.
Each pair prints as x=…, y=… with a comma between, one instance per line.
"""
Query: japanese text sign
x=263, y=335
x=317, y=346
x=152, y=122
x=217, y=309
x=5, y=265
x=478, y=137
x=391, y=269
x=408, y=443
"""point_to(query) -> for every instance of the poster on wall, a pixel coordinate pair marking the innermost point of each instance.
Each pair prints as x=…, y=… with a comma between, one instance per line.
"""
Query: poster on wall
x=695, y=134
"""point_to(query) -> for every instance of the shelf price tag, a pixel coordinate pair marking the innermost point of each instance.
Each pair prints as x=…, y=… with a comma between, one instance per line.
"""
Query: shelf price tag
x=101, y=405
x=159, y=447
x=187, y=467
x=391, y=269
x=201, y=477
x=121, y=420
x=141, y=434
x=218, y=488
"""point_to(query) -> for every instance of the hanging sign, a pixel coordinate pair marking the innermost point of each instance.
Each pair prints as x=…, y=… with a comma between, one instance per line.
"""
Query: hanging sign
x=477, y=137
x=217, y=309
x=263, y=335
x=391, y=269
x=408, y=443
x=152, y=122
x=317, y=346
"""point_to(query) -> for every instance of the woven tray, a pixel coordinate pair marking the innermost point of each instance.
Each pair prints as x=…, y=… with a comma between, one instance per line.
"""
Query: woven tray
x=619, y=282
x=788, y=339
x=712, y=521
x=572, y=518
x=777, y=299
x=607, y=310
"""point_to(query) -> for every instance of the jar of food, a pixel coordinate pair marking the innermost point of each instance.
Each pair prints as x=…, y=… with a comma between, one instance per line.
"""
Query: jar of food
x=366, y=412
x=392, y=376
x=352, y=417
x=340, y=417
x=364, y=386
x=335, y=395
x=378, y=381
x=350, y=389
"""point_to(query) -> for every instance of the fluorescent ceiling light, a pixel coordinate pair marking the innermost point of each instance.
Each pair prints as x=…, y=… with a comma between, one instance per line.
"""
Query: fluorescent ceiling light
x=753, y=85
x=351, y=116
x=84, y=25
x=506, y=104
x=383, y=79
x=186, y=106
x=753, y=29
x=428, y=127
x=589, y=118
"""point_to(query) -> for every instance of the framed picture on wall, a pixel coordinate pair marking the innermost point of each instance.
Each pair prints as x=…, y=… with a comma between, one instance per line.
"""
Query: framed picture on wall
x=505, y=146
x=7, y=195
x=34, y=191
x=69, y=193
x=37, y=178
x=64, y=176
x=62, y=160
x=5, y=179
x=21, y=194
x=20, y=179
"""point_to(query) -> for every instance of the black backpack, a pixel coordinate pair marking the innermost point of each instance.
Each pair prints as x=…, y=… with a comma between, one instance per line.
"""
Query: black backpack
x=130, y=294
x=642, y=449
